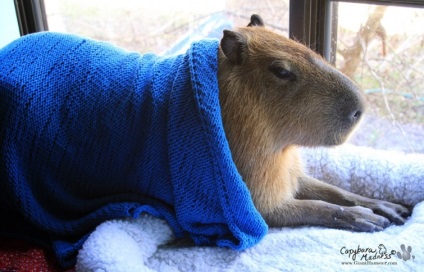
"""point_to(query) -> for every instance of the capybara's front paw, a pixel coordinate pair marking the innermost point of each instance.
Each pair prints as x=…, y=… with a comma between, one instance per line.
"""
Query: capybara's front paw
x=396, y=213
x=358, y=218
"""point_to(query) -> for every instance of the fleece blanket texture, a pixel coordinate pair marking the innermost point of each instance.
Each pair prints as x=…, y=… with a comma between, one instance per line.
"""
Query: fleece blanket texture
x=90, y=132
x=146, y=243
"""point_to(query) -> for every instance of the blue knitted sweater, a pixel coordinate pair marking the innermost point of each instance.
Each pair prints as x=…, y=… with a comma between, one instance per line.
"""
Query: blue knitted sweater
x=90, y=132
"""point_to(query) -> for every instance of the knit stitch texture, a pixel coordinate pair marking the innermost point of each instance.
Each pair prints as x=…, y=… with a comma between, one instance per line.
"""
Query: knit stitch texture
x=90, y=132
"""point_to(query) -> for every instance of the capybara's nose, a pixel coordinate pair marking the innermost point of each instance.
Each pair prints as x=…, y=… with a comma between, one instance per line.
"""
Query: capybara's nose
x=355, y=116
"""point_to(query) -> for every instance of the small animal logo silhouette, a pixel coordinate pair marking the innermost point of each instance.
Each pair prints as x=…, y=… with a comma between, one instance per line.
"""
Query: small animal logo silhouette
x=382, y=249
x=406, y=253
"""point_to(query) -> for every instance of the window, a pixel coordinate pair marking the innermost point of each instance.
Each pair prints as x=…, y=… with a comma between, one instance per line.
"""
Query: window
x=9, y=27
x=382, y=49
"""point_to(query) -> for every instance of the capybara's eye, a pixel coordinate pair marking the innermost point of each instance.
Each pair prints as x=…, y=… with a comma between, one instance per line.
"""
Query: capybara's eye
x=282, y=73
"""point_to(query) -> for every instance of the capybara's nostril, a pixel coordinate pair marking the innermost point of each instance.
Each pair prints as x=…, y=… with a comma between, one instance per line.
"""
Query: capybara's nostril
x=355, y=116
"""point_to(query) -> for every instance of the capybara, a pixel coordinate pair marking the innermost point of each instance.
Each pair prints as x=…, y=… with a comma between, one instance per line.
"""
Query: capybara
x=276, y=94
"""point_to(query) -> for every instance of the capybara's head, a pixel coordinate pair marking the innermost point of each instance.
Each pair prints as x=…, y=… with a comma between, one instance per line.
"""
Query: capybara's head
x=303, y=99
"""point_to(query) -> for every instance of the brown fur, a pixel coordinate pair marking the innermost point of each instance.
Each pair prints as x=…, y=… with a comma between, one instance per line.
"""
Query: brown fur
x=267, y=117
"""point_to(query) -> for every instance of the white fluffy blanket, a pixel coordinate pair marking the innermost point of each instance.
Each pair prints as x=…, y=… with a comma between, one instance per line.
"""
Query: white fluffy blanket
x=144, y=244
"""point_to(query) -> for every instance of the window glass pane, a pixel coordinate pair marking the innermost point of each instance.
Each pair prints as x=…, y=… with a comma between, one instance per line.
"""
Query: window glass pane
x=381, y=48
x=161, y=26
x=9, y=28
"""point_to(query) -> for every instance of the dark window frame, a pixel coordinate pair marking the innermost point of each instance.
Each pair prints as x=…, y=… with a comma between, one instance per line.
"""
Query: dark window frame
x=31, y=15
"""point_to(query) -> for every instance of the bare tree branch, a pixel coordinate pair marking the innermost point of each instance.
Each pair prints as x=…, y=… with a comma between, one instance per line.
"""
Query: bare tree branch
x=371, y=30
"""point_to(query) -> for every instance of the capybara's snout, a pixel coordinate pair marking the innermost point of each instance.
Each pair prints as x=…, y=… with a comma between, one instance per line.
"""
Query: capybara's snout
x=355, y=116
x=349, y=107
x=354, y=113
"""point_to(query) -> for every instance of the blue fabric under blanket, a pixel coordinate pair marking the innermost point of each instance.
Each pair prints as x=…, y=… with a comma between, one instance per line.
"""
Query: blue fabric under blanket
x=90, y=132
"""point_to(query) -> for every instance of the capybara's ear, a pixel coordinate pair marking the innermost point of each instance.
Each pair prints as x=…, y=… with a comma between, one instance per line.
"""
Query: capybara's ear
x=233, y=44
x=256, y=20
